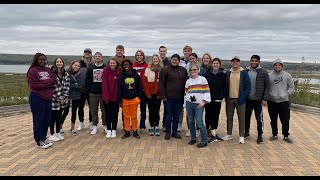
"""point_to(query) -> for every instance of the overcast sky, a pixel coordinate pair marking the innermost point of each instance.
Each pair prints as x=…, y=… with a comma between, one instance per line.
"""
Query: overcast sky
x=287, y=31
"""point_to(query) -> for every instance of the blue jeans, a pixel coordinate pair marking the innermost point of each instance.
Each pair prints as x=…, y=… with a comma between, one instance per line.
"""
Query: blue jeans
x=173, y=108
x=41, y=115
x=195, y=115
x=143, y=109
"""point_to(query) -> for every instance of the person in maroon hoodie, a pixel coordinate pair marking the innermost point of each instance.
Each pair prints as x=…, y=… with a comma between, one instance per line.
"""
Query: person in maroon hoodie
x=140, y=66
x=41, y=81
x=109, y=96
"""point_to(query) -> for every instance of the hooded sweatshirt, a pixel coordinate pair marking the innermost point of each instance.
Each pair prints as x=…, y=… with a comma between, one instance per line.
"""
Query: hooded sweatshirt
x=281, y=86
x=41, y=81
x=126, y=91
x=109, y=84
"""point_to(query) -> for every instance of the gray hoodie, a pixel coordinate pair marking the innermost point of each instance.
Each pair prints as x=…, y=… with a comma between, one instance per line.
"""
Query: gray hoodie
x=281, y=86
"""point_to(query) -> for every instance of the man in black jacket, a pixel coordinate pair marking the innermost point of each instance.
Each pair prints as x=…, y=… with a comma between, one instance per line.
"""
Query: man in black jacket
x=260, y=88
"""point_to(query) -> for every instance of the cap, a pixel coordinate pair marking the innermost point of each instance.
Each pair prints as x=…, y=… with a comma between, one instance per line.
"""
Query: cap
x=235, y=58
x=87, y=49
x=277, y=61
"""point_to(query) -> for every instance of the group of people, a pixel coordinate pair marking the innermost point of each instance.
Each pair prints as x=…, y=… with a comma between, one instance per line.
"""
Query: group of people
x=180, y=83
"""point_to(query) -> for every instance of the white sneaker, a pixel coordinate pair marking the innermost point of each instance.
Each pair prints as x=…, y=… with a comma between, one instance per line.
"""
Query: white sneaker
x=105, y=129
x=108, y=134
x=227, y=137
x=81, y=126
x=48, y=143
x=53, y=138
x=90, y=125
x=113, y=134
x=42, y=145
x=197, y=133
x=59, y=136
x=241, y=140
x=94, y=130
x=188, y=133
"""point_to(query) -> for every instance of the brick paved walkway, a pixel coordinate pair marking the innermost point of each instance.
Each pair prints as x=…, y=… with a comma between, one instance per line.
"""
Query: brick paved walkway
x=87, y=154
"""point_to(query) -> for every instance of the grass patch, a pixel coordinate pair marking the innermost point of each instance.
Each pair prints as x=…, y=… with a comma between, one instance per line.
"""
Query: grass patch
x=306, y=94
x=14, y=89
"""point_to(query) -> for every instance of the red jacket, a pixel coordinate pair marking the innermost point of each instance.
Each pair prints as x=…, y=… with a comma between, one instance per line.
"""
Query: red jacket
x=109, y=84
x=140, y=67
x=150, y=82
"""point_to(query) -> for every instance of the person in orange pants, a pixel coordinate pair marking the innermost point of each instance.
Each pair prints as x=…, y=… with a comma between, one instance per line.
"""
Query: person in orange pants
x=129, y=90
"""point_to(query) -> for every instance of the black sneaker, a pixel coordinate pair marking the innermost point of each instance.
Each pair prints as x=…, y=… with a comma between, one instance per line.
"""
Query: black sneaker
x=260, y=140
x=218, y=138
x=136, y=135
x=246, y=135
x=201, y=145
x=212, y=139
x=126, y=134
x=176, y=135
x=272, y=138
x=192, y=142
x=167, y=136
x=288, y=140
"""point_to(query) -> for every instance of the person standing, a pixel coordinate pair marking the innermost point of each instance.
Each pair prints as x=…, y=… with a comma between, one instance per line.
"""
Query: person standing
x=281, y=87
x=238, y=88
x=184, y=62
x=109, y=96
x=217, y=81
x=129, y=90
x=197, y=95
x=165, y=62
x=41, y=81
x=85, y=62
x=172, y=85
x=77, y=81
x=150, y=82
x=60, y=98
x=140, y=66
x=94, y=88
x=260, y=89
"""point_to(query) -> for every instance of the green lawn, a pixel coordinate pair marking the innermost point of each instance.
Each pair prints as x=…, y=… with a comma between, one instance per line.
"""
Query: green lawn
x=13, y=89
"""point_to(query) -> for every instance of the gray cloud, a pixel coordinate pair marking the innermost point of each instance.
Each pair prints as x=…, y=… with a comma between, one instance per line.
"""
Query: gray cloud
x=286, y=31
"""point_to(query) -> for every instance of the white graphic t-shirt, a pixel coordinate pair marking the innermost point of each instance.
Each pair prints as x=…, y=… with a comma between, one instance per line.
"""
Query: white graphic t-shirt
x=97, y=75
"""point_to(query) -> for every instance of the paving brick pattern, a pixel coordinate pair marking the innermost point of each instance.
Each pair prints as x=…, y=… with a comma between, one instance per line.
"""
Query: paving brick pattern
x=95, y=155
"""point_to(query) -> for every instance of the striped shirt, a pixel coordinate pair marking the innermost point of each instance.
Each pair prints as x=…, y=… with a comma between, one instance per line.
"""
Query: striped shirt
x=198, y=88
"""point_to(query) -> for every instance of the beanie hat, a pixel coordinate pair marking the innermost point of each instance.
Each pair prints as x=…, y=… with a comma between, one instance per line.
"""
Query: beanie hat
x=277, y=61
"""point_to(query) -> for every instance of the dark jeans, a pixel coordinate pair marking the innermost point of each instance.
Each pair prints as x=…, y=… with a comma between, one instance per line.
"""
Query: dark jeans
x=83, y=99
x=257, y=107
x=55, y=120
x=174, y=106
x=111, y=111
x=143, y=109
x=65, y=112
x=281, y=109
x=41, y=115
x=74, y=108
x=154, y=108
x=212, y=114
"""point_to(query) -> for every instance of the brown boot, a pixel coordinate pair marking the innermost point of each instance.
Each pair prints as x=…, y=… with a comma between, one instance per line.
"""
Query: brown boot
x=209, y=132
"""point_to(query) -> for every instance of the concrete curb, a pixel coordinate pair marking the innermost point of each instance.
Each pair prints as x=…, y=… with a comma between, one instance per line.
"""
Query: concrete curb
x=304, y=108
x=6, y=111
